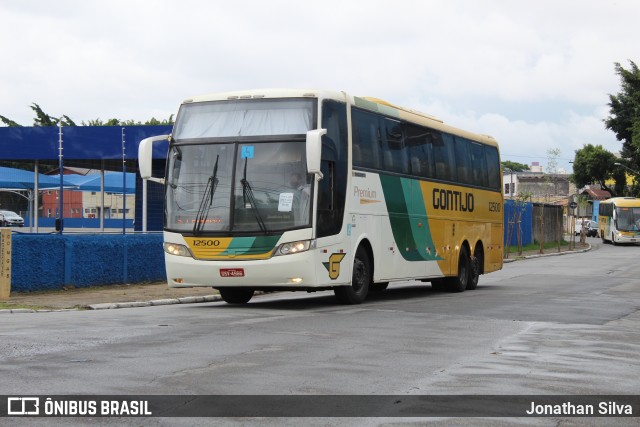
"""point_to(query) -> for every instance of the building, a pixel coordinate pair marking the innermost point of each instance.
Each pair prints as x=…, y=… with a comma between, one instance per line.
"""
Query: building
x=537, y=186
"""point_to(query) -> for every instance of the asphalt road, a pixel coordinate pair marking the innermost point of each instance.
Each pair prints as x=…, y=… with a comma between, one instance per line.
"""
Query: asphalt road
x=555, y=325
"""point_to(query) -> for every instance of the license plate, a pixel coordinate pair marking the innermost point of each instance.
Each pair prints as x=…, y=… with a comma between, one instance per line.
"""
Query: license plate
x=232, y=272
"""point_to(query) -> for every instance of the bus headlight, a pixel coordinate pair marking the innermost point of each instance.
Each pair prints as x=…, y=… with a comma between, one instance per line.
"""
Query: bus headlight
x=176, y=249
x=295, y=247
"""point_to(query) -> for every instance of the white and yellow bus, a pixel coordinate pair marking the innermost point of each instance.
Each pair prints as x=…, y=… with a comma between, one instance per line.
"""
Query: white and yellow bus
x=313, y=190
x=619, y=220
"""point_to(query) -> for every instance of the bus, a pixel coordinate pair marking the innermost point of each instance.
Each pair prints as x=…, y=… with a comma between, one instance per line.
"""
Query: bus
x=320, y=190
x=619, y=220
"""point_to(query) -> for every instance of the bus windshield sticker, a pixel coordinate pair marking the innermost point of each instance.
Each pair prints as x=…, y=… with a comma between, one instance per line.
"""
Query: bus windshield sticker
x=285, y=204
x=247, y=152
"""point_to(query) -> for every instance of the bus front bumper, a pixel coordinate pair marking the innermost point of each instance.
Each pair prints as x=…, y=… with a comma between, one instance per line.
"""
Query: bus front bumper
x=288, y=271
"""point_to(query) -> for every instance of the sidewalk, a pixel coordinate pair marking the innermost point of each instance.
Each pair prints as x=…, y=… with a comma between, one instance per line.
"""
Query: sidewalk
x=121, y=296
x=102, y=297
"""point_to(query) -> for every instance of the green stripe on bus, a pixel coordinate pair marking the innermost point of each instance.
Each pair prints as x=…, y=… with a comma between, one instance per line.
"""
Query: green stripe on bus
x=408, y=218
x=251, y=245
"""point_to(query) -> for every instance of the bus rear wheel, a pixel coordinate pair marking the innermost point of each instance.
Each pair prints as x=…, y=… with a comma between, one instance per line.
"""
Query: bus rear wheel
x=475, y=270
x=459, y=282
x=236, y=295
x=360, y=280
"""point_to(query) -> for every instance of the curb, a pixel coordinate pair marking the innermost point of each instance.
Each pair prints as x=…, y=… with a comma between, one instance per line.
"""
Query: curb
x=114, y=305
x=510, y=260
x=183, y=300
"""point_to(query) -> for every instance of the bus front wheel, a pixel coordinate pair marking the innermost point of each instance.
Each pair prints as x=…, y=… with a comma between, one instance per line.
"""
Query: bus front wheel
x=236, y=295
x=360, y=280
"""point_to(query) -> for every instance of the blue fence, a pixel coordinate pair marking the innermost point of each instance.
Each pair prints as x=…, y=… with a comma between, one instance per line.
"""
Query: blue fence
x=518, y=216
x=52, y=261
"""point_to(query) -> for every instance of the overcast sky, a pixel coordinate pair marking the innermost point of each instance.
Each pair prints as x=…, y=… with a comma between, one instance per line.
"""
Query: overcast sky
x=536, y=75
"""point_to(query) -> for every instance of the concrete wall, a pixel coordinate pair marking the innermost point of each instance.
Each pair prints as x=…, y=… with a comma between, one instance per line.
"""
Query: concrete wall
x=552, y=230
x=52, y=261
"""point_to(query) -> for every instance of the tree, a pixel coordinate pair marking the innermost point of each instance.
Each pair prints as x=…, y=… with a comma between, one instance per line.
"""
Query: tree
x=595, y=165
x=44, y=119
x=514, y=166
x=9, y=122
x=624, y=119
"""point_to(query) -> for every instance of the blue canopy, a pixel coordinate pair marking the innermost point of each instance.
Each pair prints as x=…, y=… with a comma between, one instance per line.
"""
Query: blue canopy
x=112, y=182
x=20, y=180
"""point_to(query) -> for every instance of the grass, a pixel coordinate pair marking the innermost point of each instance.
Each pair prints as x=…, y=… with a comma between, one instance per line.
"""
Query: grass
x=534, y=248
x=10, y=306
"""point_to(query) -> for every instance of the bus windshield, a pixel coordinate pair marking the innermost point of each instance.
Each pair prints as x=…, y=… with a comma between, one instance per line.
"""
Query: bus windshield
x=628, y=219
x=237, y=187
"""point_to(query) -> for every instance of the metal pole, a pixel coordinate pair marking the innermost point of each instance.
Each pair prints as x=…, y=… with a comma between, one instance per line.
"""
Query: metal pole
x=61, y=192
x=124, y=187
x=36, y=188
x=145, y=198
x=102, y=195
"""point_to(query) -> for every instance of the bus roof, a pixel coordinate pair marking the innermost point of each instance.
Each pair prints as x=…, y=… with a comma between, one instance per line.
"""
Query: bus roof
x=624, y=202
x=368, y=103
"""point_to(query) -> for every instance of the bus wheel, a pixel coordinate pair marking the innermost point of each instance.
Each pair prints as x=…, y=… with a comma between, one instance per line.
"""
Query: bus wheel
x=236, y=295
x=459, y=283
x=360, y=280
x=378, y=287
x=474, y=271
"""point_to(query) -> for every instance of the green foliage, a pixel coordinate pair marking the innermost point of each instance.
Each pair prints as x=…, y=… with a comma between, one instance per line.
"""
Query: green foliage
x=116, y=122
x=624, y=119
x=595, y=165
x=514, y=166
x=9, y=122
x=44, y=119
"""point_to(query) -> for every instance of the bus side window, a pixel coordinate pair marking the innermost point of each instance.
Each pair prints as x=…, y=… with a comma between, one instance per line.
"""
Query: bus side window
x=395, y=155
x=366, y=140
x=419, y=151
x=479, y=162
x=493, y=167
x=444, y=155
x=463, y=160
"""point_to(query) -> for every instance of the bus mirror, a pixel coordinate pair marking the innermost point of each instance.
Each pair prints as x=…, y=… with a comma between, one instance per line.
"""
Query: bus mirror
x=314, y=150
x=145, y=156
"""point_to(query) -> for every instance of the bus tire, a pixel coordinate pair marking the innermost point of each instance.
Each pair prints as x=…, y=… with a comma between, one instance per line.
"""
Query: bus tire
x=459, y=282
x=360, y=280
x=474, y=272
x=236, y=295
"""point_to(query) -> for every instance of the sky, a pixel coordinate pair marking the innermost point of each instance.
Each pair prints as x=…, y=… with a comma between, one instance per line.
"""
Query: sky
x=534, y=75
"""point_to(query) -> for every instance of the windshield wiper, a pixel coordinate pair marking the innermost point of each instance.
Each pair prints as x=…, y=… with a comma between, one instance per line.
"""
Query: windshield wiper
x=207, y=199
x=247, y=193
